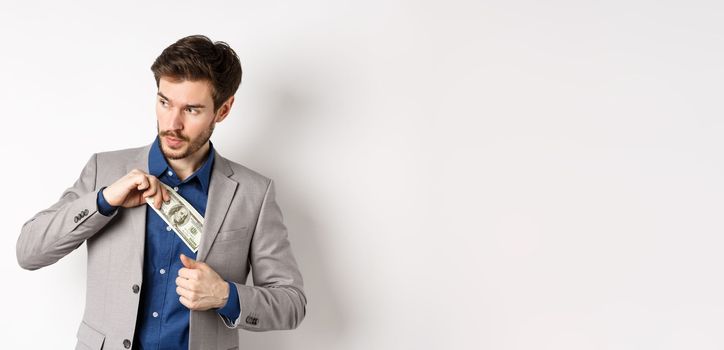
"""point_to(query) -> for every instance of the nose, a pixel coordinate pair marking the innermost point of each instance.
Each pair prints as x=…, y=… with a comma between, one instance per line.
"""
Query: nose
x=175, y=121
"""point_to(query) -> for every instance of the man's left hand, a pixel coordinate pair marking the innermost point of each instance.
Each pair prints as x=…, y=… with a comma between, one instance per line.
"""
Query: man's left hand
x=199, y=287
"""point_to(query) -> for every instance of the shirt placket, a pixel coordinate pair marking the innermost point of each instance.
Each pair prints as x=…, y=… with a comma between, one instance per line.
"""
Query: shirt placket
x=165, y=261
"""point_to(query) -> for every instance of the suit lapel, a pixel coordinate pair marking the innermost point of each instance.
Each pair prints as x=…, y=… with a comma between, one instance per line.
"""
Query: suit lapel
x=221, y=192
x=138, y=214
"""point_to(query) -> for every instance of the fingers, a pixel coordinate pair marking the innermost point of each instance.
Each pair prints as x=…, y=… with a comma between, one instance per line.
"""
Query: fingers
x=166, y=196
x=152, y=186
x=142, y=182
x=155, y=190
x=189, y=262
x=186, y=284
x=191, y=299
x=188, y=298
x=197, y=292
x=136, y=186
x=158, y=196
x=187, y=273
x=191, y=305
x=187, y=294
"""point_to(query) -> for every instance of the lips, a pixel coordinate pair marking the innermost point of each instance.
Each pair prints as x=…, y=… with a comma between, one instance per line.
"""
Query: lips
x=173, y=141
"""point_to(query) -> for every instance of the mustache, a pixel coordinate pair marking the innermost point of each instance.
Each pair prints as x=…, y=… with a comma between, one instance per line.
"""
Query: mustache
x=174, y=134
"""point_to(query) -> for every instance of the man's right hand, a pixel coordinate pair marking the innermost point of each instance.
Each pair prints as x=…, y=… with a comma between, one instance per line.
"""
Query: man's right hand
x=132, y=190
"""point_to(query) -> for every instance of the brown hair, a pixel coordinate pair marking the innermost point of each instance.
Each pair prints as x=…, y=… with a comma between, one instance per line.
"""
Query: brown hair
x=195, y=58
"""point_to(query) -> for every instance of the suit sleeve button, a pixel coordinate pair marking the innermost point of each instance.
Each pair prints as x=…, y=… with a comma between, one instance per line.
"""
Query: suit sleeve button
x=136, y=288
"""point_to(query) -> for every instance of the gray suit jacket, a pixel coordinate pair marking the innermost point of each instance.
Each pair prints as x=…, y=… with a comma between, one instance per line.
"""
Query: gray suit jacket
x=243, y=231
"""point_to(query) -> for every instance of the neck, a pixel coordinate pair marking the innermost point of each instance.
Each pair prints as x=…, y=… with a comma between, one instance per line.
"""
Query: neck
x=184, y=167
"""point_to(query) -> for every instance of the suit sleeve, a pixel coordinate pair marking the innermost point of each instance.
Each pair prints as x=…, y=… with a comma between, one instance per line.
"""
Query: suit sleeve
x=56, y=231
x=232, y=310
x=276, y=301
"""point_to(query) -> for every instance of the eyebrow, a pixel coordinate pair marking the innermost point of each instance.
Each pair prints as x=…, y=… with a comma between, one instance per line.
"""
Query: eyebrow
x=187, y=106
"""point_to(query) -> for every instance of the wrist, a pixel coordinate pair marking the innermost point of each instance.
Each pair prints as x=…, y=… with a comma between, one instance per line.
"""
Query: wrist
x=105, y=208
x=224, y=294
x=232, y=309
x=108, y=200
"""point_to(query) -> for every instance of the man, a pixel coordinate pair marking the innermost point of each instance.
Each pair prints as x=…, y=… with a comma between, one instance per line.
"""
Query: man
x=146, y=287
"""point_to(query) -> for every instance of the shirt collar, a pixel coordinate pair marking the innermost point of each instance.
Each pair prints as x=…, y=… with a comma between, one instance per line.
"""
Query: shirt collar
x=157, y=165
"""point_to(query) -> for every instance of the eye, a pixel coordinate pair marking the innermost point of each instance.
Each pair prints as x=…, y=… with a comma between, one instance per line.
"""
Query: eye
x=163, y=102
x=192, y=110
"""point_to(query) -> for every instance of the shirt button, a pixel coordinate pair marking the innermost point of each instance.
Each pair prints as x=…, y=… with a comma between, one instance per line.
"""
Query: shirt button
x=170, y=173
x=175, y=188
x=136, y=288
x=168, y=228
x=162, y=271
x=126, y=343
x=155, y=314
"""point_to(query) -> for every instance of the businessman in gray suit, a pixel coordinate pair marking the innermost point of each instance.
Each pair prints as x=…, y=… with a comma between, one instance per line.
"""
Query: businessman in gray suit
x=146, y=288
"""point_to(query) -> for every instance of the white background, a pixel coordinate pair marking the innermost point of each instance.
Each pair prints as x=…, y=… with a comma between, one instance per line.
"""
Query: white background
x=457, y=175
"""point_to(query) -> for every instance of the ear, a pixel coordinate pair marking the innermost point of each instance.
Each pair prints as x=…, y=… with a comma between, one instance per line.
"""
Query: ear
x=225, y=109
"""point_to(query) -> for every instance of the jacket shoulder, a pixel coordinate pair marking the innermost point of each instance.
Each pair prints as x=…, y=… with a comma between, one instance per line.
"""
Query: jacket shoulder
x=121, y=154
x=244, y=174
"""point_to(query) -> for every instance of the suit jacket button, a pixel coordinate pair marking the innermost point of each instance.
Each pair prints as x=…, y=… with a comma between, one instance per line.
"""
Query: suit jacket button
x=126, y=343
x=136, y=288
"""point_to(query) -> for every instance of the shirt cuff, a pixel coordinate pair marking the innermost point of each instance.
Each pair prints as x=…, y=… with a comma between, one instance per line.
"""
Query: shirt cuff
x=232, y=309
x=103, y=207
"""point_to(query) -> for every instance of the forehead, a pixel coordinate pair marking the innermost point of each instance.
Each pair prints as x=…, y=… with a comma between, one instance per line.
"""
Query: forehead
x=185, y=91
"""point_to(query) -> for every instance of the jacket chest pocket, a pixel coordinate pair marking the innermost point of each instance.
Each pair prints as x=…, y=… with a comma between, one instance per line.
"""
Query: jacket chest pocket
x=232, y=234
x=229, y=254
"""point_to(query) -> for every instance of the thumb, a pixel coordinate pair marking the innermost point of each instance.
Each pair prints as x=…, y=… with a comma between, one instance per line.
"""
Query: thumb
x=188, y=262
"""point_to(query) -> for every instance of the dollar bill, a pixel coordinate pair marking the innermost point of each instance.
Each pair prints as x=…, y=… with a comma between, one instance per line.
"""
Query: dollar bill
x=181, y=216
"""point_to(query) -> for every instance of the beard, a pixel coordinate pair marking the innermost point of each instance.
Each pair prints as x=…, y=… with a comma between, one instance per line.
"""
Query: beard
x=192, y=145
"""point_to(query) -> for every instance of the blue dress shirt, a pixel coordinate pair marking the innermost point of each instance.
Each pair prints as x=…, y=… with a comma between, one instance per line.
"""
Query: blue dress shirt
x=163, y=322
